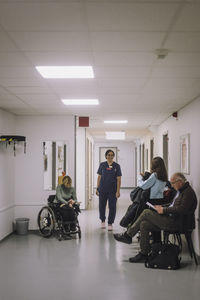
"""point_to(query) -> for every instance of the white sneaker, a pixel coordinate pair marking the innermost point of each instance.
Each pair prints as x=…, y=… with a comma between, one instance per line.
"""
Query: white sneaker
x=110, y=228
x=103, y=225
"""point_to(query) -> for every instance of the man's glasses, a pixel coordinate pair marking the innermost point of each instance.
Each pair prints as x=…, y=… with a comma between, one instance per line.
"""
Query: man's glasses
x=173, y=182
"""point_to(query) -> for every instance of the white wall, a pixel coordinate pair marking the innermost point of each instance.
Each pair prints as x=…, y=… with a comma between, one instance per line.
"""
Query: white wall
x=188, y=122
x=89, y=167
x=48, y=172
x=125, y=157
x=81, y=166
x=82, y=186
x=138, y=158
x=7, y=180
x=29, y=177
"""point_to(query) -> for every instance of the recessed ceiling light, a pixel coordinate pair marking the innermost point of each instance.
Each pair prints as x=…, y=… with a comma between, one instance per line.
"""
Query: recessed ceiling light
x=80, y=101
x=116, y=122
x=115, y=135
x=66, y=71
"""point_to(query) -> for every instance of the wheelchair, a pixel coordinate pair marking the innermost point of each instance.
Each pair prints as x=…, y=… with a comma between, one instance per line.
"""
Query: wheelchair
x=50, y=221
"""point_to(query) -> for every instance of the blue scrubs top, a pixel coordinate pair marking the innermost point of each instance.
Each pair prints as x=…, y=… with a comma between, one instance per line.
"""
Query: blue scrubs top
x=109, y=174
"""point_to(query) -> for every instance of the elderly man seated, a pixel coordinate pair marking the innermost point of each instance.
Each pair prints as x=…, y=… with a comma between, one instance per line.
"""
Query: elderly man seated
x=162, y=218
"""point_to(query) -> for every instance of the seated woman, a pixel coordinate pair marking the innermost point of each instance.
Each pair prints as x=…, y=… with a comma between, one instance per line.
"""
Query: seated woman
x=66, y=197
x=169, y=191
x=155, y=182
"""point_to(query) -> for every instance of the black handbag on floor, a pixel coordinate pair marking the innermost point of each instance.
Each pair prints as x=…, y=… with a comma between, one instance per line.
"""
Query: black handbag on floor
x=164, y=256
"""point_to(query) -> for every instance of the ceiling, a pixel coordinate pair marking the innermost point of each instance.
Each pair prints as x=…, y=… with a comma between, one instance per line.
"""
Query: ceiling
x=119, y=39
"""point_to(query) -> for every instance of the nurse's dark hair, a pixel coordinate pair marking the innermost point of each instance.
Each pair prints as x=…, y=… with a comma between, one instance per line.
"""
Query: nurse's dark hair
x=108, y=151
x=158, y=166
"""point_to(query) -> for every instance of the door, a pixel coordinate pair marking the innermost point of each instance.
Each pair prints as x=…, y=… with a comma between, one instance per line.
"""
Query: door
x=89, y=174
x=165, y=150
x=142, y=169
x=151, y=150
x=136, y=165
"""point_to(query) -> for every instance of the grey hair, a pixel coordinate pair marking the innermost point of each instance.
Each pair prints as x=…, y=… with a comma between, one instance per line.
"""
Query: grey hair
x=180, y=177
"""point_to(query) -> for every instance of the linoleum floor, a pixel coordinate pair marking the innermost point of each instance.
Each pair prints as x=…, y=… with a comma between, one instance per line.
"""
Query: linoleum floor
x=93, y=268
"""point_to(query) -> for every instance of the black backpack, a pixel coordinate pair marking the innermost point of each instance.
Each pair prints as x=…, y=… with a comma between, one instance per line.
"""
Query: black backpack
x=164, y=256
x=139, y=198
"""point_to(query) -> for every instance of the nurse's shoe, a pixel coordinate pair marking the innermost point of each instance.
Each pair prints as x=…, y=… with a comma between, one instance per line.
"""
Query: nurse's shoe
x=110, y=228
x=103, y=225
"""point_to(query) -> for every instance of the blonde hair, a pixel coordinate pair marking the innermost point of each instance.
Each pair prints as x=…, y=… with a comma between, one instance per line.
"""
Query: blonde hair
x=67, y=180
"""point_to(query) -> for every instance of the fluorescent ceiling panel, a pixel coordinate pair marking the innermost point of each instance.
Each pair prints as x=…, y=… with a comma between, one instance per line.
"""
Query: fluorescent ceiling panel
x=115, y=135
x=65, y=71
x=80, y=101
x=116, y=122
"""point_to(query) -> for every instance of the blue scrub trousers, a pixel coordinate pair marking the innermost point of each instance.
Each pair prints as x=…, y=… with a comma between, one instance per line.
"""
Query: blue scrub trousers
x=112, y=201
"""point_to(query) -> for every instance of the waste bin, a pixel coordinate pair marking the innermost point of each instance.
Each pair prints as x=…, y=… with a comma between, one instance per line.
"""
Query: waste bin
x=22, y=225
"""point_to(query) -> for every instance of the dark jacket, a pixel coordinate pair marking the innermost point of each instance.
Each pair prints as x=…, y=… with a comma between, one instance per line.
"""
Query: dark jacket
x=139, y=198
x=185, y=203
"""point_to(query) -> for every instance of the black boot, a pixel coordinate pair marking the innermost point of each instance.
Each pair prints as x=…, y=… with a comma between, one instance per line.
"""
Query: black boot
x=123, y=237
x=138, y=258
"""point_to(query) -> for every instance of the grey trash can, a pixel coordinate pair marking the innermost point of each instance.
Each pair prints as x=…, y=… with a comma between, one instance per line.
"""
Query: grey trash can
x=22, y=226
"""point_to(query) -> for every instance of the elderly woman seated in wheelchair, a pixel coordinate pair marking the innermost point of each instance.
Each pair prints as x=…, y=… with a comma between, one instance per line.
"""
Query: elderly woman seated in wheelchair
x=60, y=215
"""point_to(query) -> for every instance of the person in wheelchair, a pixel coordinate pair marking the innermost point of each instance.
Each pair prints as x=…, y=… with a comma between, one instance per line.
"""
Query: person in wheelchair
x=66, y=197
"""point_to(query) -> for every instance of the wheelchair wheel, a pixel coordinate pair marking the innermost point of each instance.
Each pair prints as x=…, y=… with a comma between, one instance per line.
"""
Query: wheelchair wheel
x=46, y=221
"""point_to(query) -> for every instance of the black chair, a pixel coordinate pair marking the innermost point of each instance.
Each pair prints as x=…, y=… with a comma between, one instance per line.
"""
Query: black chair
x=186, y=226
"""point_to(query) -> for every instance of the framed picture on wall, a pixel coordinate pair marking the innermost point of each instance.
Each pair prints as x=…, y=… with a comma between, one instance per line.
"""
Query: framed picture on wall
x=45, y=162
x=185, y=153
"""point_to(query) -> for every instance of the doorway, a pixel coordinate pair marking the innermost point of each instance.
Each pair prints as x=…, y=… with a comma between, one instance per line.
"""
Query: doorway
x=89, y=173
x=151, y=150
x=165, y=150
x=136, y=165
x=142, y=159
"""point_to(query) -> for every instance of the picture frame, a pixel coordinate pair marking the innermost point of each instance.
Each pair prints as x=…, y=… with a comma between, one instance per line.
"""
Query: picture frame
x=45, y=162
x=185, y=153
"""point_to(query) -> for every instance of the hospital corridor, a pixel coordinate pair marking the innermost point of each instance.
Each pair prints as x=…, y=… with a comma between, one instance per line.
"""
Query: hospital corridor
x=99, y=100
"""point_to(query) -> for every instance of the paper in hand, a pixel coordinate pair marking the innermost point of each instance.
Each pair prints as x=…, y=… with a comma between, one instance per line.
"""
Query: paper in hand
x=150, y=205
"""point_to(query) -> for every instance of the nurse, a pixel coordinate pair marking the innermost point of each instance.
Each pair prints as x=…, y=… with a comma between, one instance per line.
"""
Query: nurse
x=108, y=188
